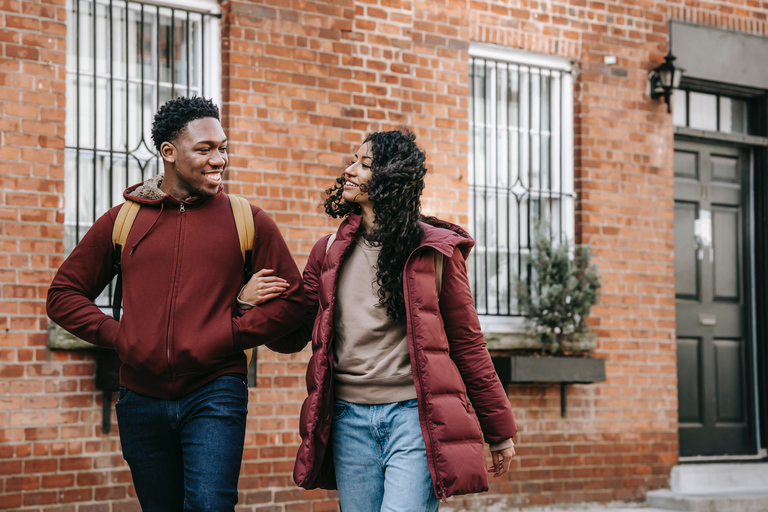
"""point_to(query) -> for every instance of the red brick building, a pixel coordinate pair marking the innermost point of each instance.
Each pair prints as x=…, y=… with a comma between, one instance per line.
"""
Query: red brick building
x=527, y=110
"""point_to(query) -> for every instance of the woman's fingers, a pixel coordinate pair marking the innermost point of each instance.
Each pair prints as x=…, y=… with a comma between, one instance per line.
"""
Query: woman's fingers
x=494, y=467
x=263, y=287
x=502, y=460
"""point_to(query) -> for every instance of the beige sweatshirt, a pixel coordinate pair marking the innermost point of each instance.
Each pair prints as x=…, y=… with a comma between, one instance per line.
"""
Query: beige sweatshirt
x=370, y=352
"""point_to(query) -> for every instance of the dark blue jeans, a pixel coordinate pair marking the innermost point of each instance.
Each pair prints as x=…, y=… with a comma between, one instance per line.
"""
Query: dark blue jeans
x=185, y=454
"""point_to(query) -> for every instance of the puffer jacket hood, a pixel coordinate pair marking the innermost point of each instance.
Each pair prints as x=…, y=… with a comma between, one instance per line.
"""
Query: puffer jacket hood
x=451, y=368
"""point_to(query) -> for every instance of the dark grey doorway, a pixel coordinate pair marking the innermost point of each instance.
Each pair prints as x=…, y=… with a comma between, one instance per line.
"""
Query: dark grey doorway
x=713, y=350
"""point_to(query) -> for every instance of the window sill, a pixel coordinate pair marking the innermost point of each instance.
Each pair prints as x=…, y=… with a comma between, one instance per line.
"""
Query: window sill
x=59, y=339
x=508, y=333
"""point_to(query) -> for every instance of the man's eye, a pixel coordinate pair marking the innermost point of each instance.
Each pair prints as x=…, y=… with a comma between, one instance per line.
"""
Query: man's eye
x=224, y=149
x=352, y=162
x=204, y=150
x=366, y=166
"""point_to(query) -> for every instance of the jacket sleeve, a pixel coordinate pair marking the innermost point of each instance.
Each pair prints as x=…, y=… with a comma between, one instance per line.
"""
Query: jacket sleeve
x=276, y=323
x=312, y=278
x=79, y=281
x=467, y=349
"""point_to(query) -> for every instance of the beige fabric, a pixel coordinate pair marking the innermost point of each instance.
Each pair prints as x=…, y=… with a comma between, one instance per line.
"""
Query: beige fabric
x=370, y=353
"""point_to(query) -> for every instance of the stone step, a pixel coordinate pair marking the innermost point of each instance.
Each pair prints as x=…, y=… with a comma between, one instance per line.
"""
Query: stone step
x=719, y=478
x=743, y=501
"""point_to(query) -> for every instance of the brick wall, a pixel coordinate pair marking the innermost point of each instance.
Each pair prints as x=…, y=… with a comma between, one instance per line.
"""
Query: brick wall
x=301, y=86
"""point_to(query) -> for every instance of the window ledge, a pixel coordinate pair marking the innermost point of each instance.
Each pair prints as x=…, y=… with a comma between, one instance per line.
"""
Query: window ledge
x=59, y=339
x=508, y=333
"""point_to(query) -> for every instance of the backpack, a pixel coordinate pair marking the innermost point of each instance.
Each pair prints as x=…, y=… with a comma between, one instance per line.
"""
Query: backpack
x=241, y=211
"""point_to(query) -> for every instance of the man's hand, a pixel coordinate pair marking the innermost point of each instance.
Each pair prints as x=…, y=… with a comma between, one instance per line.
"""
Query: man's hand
x=262, y=287
x=501, y=461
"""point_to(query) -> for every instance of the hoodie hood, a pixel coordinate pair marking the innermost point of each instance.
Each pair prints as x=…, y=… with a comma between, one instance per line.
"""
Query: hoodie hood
x=148, y=192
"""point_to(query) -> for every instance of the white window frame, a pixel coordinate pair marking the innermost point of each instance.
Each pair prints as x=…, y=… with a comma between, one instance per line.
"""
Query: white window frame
x=97, y=201
x=514, y=324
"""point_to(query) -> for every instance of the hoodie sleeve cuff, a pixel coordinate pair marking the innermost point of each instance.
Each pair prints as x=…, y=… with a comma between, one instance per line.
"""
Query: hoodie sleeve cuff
x=245, y=306
x=108, y=332
x=497, y=447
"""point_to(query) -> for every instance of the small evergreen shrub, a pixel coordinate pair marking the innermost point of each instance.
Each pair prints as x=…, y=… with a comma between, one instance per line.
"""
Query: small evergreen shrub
x=561, y=288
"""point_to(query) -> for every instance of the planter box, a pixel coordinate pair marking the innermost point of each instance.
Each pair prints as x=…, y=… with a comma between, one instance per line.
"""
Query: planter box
x=557, y=369
x=551, y=370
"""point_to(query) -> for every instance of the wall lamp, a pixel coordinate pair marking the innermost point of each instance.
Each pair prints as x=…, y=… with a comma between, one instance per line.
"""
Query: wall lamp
x=665, y=78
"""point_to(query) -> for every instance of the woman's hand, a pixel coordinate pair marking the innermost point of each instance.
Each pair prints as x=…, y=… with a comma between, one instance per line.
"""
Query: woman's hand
x=262, y=287
x=501, y=461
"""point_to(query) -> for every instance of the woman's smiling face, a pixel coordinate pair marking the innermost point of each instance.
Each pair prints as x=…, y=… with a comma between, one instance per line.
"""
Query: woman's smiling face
x=357, y=177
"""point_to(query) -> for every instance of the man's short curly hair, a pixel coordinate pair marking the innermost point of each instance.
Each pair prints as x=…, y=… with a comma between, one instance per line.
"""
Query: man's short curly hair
x=174, y=116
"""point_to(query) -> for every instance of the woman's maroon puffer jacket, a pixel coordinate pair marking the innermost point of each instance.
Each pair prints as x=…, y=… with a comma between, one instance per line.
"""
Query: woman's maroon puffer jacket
x=451, y=367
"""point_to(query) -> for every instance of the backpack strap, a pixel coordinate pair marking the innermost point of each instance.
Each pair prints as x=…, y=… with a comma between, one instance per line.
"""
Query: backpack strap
x=123, y=223
x=330, y=241
x=438, y=273
x=241, y=211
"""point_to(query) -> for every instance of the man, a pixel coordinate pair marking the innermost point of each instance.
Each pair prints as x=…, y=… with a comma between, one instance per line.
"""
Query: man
x=183, y=397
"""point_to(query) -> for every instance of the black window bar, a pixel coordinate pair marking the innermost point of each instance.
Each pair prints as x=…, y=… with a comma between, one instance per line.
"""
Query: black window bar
x=124, y=60
x=516, y=173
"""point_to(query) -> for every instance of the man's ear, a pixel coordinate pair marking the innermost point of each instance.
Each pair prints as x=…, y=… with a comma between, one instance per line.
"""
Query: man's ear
x=168, y=152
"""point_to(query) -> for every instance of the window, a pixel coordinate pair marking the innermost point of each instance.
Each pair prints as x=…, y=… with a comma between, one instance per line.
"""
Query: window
x=125, y=59
x=713, y=112
x=520, y=166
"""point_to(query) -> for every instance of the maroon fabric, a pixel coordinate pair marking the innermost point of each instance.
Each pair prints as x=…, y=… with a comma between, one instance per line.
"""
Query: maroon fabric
x=452, y=369
x=181, y=327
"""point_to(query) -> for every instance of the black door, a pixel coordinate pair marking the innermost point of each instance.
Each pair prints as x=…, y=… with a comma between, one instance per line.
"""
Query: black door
x=715, y=412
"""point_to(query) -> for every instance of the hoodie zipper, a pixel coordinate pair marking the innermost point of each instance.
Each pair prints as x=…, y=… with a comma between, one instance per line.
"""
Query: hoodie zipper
x=173, y=293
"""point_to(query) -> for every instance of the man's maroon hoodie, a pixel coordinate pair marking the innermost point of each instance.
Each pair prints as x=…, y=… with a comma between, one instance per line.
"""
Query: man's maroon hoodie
x=182, y=270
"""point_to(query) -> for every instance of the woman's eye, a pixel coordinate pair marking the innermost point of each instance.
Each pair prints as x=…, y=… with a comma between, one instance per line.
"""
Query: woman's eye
x=367, y=166
x=352, y=162
x=224, y=149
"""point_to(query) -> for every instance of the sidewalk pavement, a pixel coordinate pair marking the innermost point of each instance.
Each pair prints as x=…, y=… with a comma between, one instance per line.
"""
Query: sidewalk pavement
x=572, y=507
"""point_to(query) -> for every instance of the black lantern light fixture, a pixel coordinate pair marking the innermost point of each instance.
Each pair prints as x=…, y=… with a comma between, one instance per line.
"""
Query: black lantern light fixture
x=665, y=78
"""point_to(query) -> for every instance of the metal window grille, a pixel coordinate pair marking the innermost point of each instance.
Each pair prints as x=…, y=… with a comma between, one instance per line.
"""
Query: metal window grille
x=124, y=60
x=520, y=172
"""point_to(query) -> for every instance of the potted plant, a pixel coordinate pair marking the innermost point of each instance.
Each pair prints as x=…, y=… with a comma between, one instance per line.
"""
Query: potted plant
x=558, y=295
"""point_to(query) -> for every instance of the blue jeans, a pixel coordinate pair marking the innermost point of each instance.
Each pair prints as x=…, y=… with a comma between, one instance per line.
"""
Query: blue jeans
x=185, y=454
x=380, y=458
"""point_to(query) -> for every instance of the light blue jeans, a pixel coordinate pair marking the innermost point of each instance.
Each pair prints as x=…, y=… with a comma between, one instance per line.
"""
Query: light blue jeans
x=380, y=458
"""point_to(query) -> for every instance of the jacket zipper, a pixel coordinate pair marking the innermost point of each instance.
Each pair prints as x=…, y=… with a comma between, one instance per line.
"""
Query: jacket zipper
x=173, y=290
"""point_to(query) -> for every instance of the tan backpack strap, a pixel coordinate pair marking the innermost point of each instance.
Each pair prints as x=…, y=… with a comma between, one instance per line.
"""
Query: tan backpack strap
x=241, y=210
x=330, y=241
x=124, y=222
x=438, y=272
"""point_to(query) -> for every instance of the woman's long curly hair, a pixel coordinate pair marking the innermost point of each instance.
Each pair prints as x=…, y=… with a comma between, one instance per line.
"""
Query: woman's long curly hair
x=397, y=180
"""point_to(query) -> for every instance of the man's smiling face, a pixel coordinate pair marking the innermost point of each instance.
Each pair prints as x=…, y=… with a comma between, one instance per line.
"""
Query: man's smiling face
x=199, y=157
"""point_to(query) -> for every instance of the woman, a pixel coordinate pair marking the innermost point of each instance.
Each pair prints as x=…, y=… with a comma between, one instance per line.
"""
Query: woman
x=394, y=368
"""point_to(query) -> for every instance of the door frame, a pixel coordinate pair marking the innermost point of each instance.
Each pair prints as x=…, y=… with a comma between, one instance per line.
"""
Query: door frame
x=758, y=151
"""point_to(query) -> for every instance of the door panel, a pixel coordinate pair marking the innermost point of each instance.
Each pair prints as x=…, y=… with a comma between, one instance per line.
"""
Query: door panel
x=725, y=225
x=730, y=399
x=714, y=410
x=688, y=388
x=686, y=279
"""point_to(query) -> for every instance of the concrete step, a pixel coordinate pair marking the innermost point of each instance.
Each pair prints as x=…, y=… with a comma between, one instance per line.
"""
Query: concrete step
x=721, y=487
x=719, y=478
x=743, y=501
